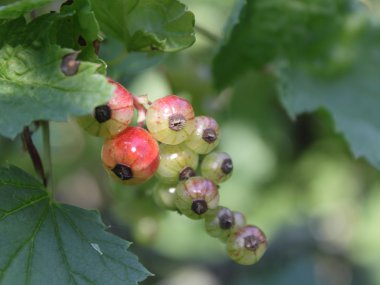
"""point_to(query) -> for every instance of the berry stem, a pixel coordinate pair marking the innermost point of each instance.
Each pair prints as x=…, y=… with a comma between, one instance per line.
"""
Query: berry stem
x=138, y=103
x=47, y=157
x=33, y=152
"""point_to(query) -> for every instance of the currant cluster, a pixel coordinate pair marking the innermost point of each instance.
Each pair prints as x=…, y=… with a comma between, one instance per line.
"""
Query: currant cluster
x=171, y=148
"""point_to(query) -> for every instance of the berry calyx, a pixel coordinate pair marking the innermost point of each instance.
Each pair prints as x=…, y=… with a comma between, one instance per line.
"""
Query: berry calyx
x=110, y=119
x=247, y=245
x=177, y=162
x=217, y=166
x=170, y=119
x=132, y=157
x=206, y=135
x=195, y=196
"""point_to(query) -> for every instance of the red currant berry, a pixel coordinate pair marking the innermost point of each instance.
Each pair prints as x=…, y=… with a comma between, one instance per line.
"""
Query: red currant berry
x=217, y=166
x=206, y=135
x=170, y=119
x=177, y=162
x=195, y=196
x=132, y=157
x=110, y=119
x=247, y=245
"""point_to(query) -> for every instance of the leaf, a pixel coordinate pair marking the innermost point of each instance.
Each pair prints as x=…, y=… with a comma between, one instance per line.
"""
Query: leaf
x=33, y=87
x=12, y=9
x=262, y=31
x=75, y=27
x=147, y=25
x=353, y=98
x=48, y=243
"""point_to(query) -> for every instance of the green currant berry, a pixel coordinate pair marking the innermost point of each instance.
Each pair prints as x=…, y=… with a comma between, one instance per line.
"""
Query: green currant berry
x=132, y=157
x=217, y=166
x=110, y=119
x=170, y=119
x=220, y=222
x=206, y=135
x=239, y=219
x=164, y=195
x=246, y=245
x=195, y=196
x=177, y=162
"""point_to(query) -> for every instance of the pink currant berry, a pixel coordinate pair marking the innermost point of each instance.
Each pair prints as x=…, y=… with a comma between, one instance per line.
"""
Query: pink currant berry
x=206, y=135
x=110, y=119
x=170, y=119
x=246, y=245
x=177, y=162
x=217, y=166
x=195, y=196
x=132, y=157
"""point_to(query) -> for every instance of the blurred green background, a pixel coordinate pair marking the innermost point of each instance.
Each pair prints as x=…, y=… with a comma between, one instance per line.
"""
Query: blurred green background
x=296, y=180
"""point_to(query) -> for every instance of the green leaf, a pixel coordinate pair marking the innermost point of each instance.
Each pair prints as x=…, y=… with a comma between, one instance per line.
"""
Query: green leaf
x=263, y=31
x=48, y=243
x=75, y=27
x=147, y=25
x=33, y=87
x=353, y=98
x=11, y=9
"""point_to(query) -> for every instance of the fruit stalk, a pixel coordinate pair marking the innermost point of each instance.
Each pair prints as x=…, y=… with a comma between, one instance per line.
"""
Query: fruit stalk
x=34, y=155
x=138, y=103
x=47, y=157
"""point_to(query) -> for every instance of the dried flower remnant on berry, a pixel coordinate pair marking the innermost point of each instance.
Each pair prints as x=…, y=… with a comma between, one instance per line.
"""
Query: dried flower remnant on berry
x=102, y=113
x=122, y=171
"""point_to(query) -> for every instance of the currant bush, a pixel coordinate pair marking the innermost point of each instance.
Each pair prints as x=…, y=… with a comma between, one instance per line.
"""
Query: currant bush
x=132, y=157
x=170, y=119
x=177, y=162
x=246, y=245
x=217, y=166
x=195, y=196
x=164, y=195
x=110, y=119
x=205, y=136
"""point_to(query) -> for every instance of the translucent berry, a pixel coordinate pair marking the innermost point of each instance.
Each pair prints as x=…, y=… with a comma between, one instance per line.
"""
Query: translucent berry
x=246, y=245
x=217, y=166
x=110, y=119
x=206, y=135
x=195, y=196
x=132, y=157
x=220, y=222
x=170, y=119
x=177, y=162
x=164, y=195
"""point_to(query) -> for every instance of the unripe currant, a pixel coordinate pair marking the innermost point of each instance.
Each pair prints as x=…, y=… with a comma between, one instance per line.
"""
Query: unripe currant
x=132, y=157
x=217, y=166
x=170, y=119
x=246, y=245
x=195, y=196
x=177, y=162
x=220, y=222
x=206, y=135
x=110, y=119
x=164, y=195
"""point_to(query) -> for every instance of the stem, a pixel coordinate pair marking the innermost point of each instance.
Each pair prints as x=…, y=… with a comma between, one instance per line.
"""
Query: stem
x=34, y=155
x=138, y=103
x=47, y=156
x=207, y=34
